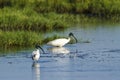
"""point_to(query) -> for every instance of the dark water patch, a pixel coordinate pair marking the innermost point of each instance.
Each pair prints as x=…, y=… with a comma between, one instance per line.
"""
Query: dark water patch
x=10, y=62
x=101, y=70
x=46, y=61
x=3, y=55
x=82, y=56
x=114, y=50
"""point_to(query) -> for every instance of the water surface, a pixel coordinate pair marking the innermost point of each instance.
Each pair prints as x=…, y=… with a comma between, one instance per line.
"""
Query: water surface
x=97, y=60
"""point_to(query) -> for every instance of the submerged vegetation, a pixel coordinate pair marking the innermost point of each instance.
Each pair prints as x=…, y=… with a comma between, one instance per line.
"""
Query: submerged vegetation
x=21, y=21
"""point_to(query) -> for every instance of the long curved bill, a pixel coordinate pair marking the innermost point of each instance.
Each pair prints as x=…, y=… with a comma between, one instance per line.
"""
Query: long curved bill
x=42, y=49
x=75, y=39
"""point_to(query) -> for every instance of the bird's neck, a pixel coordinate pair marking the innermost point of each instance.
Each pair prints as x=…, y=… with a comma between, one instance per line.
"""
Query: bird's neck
x=69, y=38
x=37, y=51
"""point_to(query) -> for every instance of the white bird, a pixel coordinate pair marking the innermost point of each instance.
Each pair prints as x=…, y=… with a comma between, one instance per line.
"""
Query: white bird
x=36, y=53
x=62, y=41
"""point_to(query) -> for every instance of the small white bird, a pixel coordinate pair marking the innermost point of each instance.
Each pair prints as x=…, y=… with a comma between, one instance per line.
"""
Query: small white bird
x=62, y=41
x=36, y=53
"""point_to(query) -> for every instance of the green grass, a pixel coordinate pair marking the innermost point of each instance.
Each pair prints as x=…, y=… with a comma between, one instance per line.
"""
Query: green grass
x=23, y=38
x=29, y=20
x=20, y=38
x=12, y=19
x=22, y=20
x=98, y=7
x=46, y=15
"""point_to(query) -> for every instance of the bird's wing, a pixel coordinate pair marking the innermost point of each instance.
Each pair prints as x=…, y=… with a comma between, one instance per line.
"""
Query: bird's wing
x=57, y=42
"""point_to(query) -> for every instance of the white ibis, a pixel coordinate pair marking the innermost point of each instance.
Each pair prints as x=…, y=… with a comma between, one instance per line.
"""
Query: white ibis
x=61, y=41
x=36, y=53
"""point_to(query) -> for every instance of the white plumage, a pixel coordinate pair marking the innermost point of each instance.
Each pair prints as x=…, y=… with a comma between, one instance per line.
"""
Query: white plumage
x=36, y=55
x=62, y=41
x=59, y=42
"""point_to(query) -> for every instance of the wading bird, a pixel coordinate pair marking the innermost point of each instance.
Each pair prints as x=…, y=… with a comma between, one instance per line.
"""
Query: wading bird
x=61, y=41
x=36, y=53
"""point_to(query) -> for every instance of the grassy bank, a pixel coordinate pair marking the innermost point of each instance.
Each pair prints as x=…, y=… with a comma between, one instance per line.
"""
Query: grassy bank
x=45, y=15
x=19, y=38
x=29, y=20
x=98, y=7
x=26, y=19
x=23, y=38
x=22, y=20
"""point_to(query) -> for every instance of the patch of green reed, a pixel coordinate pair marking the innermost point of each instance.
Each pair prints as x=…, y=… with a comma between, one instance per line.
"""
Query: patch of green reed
x=23, y=38
x=96, y=7
x=45, y=15
x=20, y=38
x=28, y=19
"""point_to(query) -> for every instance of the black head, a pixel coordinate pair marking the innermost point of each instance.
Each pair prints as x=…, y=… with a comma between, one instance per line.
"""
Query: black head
x=71, y=34
x=38, y=46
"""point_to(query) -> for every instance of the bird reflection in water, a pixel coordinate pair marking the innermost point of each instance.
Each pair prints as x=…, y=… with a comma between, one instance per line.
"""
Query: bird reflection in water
x=36, y=71
x=59, y=50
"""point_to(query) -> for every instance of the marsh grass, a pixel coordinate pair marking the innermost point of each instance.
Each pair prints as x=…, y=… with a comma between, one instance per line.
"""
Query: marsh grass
x=23, y=38
x=22, y=20
x=46, y=15
x=30, y=20
x=19, y=38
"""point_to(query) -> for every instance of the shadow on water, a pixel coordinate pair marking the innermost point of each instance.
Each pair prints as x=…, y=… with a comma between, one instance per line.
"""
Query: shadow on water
x=13, y=50
x=114, y=50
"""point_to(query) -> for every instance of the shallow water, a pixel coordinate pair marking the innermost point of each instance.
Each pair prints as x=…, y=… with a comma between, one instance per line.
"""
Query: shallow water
x=97, y=60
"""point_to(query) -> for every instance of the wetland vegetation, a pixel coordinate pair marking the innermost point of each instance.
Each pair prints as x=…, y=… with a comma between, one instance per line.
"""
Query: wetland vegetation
x=24, y=22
